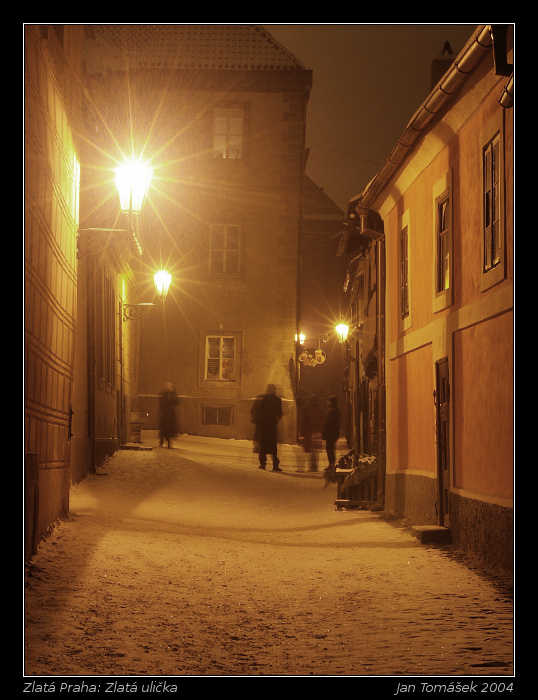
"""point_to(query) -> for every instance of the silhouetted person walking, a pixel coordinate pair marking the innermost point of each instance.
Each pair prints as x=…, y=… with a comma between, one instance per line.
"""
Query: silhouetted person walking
x=268, y=414
x=167, y=414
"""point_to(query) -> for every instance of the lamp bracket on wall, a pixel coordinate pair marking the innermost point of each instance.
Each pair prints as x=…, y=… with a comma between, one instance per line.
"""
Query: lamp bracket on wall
x=132, y=312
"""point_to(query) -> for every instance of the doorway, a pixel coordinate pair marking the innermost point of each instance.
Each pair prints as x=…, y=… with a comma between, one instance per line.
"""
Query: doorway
x=442, y=419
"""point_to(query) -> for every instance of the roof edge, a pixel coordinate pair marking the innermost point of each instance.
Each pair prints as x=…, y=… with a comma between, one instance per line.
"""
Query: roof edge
x=479, y=44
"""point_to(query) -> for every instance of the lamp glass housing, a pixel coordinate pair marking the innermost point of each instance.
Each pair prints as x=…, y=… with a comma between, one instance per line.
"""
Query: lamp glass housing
x=162, y=281
x=132, y=181
x=342, y=331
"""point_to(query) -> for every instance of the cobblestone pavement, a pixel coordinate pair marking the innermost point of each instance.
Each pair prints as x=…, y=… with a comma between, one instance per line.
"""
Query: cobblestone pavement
x=193, y=562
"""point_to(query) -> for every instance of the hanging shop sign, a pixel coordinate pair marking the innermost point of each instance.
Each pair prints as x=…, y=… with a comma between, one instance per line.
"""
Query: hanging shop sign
x=312, y=357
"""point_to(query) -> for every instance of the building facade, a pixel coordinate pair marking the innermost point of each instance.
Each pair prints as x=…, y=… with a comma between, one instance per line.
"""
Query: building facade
x=437, y=225
x=81, y=360
x=53, y=66
x=220, y=113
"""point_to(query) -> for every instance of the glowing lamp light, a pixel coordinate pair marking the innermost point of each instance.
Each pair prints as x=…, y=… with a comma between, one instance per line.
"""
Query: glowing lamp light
x=132, y=181
x=300, y=338
x=162, y=281
x=342, y=331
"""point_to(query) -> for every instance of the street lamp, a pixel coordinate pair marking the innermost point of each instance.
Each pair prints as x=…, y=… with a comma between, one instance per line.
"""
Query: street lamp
x=132, y=181
x=342, y=331
x=162, y=281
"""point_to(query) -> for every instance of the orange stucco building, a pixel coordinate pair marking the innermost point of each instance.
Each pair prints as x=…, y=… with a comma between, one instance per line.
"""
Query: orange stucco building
x=444, y=235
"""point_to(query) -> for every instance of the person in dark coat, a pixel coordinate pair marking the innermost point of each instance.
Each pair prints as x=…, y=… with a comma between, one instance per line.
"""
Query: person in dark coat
x=167, y=414
x=331, y=428
x=268, y=414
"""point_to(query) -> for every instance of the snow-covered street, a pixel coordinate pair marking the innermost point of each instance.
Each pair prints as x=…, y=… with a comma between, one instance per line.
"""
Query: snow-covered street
x=193, y=562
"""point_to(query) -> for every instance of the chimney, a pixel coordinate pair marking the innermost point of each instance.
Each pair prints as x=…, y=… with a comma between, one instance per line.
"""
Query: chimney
x=441, y=64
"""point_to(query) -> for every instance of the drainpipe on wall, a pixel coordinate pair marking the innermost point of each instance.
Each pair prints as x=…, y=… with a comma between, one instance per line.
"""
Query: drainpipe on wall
x=381, y=389
x=90, y=355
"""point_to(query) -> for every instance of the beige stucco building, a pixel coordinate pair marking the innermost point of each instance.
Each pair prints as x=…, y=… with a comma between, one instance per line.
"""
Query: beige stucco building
x=223, y=124
x=53, y=64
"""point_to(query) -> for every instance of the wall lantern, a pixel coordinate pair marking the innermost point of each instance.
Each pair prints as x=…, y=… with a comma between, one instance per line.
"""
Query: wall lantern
x=162, y=281
x=342, y=331
x=132, y=181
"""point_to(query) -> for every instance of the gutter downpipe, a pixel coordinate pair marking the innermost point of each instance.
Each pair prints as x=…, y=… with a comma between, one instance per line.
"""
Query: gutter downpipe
x=381, y=387
x=472, y=54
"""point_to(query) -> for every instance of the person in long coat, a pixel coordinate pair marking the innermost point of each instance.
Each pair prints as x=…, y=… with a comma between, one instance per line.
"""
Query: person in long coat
x=255, y=417
x=167, y=414
x=268, y=414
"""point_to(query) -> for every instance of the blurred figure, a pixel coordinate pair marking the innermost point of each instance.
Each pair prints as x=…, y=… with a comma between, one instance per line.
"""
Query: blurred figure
x=330, y=431
x=268, y=415
x=167, y=414
x=309, y=427
x=255, y=417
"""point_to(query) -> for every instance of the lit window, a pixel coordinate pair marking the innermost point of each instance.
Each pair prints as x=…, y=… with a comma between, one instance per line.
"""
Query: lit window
x=493, y=224
x=492, y=200
x=228, y=133
x=403, y=254
x=443, y=243
x=443, y=251
x=220, y=359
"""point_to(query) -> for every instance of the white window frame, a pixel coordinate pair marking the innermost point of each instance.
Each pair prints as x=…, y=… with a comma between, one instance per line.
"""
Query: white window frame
x=219, y=367
x=494, y=273
x=443, y=293
x=229, y=133
x=404, y=316
x=230, y=255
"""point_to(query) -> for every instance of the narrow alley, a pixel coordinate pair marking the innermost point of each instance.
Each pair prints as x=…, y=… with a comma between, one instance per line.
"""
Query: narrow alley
x=193, y=562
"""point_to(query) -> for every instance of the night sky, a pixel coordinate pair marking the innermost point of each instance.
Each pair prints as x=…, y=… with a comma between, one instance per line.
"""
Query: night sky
x=368, y=81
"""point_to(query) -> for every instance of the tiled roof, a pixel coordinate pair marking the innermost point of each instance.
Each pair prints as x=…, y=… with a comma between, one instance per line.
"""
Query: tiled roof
x=317, y=205
x=193, y=46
